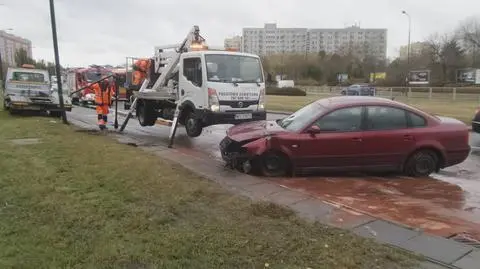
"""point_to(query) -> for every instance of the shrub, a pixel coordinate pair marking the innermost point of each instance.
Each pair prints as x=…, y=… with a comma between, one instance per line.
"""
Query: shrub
x=287, y=91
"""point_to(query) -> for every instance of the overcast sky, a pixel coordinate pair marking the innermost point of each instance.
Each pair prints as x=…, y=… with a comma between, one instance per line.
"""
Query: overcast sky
x=106, y=31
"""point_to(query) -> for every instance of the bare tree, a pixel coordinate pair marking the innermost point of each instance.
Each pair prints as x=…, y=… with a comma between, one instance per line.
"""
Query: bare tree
x=469, y=33
x=445, y=54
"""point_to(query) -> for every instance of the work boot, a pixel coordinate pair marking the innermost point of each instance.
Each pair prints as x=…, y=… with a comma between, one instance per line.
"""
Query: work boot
x=101, y=124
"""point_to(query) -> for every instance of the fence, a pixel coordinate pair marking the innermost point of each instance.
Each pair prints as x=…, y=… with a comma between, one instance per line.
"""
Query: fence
x=462, y=94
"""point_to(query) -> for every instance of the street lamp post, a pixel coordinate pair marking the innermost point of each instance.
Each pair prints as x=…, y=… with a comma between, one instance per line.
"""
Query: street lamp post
x=409, y=32
x=57, y=62
x=408, y=45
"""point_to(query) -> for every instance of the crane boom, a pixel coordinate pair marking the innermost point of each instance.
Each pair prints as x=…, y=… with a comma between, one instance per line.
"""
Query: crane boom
x=165, y=66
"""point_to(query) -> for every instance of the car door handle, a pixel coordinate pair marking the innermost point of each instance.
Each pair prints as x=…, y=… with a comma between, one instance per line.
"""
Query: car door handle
x=407, y=137
x=357, y=139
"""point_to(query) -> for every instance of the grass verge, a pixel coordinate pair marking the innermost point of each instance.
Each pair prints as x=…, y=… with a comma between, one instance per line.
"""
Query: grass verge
x=83, y=201
x=461, y=110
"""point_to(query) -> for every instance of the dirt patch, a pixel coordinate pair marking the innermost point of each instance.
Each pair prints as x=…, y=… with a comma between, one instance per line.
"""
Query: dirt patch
x=26, y=141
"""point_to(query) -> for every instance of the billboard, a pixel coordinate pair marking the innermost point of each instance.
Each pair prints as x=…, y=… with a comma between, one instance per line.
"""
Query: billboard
x=377, y=76
x=466, y=75
x=419, y=77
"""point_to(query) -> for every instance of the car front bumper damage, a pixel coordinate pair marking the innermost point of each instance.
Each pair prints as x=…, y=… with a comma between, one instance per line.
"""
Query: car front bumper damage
x=234, y=155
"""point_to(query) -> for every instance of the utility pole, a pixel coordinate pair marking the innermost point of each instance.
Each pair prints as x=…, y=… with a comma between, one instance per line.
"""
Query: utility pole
x=1, y=71
x=57, y=62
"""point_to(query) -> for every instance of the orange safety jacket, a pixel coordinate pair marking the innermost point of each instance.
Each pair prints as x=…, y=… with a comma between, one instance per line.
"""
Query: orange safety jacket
x=102, y=96
x=140, y=71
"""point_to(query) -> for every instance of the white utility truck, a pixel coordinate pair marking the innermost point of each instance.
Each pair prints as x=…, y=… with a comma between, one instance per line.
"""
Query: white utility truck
x=28, y=89
x=197, y=87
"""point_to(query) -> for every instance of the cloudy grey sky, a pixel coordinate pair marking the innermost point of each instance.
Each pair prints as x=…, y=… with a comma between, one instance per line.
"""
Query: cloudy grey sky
x=105, y=31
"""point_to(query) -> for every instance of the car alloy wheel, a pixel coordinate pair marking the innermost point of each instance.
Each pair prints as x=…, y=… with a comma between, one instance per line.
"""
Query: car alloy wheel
x=422, y=163
x=274, y=165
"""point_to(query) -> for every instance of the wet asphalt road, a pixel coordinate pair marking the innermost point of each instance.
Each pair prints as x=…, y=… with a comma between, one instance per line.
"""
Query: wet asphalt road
x=446, y=203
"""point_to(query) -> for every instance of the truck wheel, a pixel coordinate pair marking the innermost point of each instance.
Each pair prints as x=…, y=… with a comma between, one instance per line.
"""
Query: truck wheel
x=6, y=105
x=56, y=114
x=192, y=125
x=146, y=113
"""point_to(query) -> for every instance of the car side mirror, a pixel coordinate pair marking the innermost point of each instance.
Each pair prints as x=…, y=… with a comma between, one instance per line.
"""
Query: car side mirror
x=313, y=130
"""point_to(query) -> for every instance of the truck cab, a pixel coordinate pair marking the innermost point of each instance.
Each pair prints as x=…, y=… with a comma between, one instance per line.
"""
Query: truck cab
x=27, y=88
x=222, y=87
x=212, y=87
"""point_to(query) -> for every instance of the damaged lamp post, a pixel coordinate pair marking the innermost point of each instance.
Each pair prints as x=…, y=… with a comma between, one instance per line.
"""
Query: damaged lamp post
x=57, y=62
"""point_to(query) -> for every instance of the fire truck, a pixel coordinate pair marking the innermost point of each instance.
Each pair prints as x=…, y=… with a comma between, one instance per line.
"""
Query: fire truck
x=77, y=78
x=197, y=86
x=120, y=79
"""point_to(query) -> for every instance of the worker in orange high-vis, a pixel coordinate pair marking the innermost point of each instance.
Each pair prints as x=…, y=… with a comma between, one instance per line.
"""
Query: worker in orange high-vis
x=103, y=100
x=140, y=68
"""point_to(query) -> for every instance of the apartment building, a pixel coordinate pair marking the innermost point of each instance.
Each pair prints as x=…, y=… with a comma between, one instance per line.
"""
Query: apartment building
x=9, y=44
x=273, y=40
x=233, y=42
x=416, y=49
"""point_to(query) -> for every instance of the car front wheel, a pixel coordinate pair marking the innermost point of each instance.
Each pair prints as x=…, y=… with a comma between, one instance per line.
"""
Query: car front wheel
x=274, y=164
x=421, y=164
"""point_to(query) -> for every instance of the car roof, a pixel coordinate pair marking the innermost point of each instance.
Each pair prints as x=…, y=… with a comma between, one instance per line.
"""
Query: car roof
x=344, y=101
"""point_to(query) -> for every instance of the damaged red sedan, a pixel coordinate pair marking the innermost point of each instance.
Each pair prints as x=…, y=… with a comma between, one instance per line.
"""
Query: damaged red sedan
x=348, y=133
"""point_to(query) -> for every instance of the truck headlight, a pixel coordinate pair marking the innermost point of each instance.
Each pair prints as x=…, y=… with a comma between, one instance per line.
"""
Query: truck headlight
x=213, y=101
x=261, y=100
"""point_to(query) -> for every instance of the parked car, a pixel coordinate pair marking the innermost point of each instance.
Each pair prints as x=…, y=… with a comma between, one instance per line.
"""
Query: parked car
x=359, y=89
x=476, y=121
x=348, y=134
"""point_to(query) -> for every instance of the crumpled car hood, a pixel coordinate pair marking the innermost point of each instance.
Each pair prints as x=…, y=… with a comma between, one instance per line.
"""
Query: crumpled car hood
x=253, y=130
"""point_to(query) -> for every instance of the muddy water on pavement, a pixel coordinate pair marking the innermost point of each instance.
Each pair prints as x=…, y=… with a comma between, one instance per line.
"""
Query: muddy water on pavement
x=444, y=204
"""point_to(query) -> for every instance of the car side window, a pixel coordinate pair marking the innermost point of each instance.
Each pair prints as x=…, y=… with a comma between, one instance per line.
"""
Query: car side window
x=192, y=70
x=341, y=120
x=386, y=118
x=416, y=121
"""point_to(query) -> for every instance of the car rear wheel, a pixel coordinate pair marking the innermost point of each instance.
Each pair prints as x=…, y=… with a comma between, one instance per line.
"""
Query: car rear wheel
x=274, y=164
x=422, y=163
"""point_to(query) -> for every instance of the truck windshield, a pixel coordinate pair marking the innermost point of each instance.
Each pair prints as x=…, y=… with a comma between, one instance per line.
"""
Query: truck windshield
x=28, y=77
x=92, y=76
x=233, y=68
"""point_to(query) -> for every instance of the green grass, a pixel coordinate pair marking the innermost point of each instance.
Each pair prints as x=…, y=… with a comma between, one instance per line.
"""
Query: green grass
x=84, y=201
x=462, y=110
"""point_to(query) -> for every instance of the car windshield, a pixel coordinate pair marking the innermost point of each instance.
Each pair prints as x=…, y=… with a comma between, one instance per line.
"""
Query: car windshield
x=297, y=121
x=233, y=68
x=28, y=77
